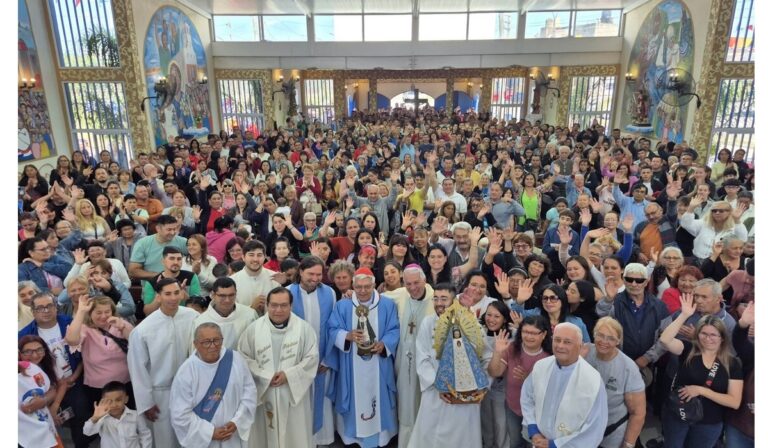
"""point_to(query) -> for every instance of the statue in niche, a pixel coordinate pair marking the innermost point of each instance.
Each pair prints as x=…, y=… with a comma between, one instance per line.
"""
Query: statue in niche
x=638, y=108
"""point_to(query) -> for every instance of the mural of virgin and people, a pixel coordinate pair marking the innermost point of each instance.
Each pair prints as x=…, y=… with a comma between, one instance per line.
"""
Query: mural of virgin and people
x=173, y=50
x=664, y=42
x=35, y=137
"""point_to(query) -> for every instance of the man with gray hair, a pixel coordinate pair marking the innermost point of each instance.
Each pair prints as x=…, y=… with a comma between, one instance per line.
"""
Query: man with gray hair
x=708, y=298
x=414, y=303
x=563, y=400
x=365, y=332
x=213, y=394
x=638, y=311
x=379, y=205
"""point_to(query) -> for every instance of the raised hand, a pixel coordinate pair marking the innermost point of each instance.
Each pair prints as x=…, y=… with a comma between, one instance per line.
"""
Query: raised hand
x=594, y=204
x=80, y=256
x=717, y=249
x=585, y=217
x=748, y=315
x=687, y=306
x=84, y=304
x=517, y=318
x=628, y=221
x=112, y=236
x=673, y=187
x=502, y=283
x=440, y=225
x=598, y=233
x=205, y=182
x=474, y=235
x=68, y=181
x=525, y=290
x=117, y=322
x=68, y=215
x=501, y=342
x=77, y=192
x=100, y=409
x=739, y=210
x=350, y=202
x=196, y=212
x=421, y=218
x=612, y=287
x=654, y=255
x=565, y=235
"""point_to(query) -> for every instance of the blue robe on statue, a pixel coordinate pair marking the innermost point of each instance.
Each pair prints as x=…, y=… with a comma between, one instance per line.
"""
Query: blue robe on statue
x=343, y=389
x=446, y=380
x=326, y=298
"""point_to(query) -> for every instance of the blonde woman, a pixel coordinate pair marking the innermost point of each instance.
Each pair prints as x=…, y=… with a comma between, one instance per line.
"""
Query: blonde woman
x=626, y=397
x=102, y=337
x=719, y=221
x=93, y=226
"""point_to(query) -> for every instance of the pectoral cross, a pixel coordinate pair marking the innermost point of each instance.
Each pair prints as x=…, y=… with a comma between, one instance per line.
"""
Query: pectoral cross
x=411, y=326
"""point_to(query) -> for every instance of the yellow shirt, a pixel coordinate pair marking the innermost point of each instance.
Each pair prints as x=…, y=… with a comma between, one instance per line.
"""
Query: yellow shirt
x=416, y=200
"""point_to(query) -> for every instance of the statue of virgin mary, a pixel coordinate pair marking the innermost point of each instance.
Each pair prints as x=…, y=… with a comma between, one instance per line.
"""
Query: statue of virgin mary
x=459, y=346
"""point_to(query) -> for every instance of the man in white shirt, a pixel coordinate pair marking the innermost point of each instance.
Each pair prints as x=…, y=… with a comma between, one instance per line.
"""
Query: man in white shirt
x=225, y=312
x=254, y=281
x=157, y=348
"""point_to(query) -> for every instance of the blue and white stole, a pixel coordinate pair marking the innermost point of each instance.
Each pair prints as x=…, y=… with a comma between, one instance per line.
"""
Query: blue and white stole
x=215, y=393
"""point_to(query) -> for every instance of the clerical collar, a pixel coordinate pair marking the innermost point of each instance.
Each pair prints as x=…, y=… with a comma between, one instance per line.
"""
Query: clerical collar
x=422, y=296
x=568, y=367
x=305, y=290
x=279, y=326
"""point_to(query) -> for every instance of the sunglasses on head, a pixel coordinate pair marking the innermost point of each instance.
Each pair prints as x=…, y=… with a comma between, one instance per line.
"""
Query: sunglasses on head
x=634, y=280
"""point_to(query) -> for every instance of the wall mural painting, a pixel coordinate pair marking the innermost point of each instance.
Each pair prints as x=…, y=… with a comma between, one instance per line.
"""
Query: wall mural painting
x=172, y=49
x=664, y=42
x=35, y=137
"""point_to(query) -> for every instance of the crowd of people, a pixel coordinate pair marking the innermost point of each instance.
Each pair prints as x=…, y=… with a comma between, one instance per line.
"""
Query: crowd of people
x=283, y=289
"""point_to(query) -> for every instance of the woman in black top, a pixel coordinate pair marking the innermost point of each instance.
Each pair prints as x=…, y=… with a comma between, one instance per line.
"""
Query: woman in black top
x=708, y=372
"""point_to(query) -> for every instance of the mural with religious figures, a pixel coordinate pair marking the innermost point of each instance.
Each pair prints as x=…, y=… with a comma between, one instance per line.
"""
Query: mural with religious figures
x=172, y=49
x=664, y=42
x=35, y=136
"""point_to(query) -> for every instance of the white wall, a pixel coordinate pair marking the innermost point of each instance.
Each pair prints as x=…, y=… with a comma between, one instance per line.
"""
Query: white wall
x=56, y=107
x=428, y=55
x=699, y=10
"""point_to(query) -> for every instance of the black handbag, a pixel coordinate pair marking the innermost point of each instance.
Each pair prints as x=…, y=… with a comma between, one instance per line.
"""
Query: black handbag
x=691, y=411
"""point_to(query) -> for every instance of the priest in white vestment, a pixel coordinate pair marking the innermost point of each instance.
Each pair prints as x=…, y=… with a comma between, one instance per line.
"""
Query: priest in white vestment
x=440, y=423
x=213, y=395
x=281, y=351
x=156, y=349
x=414, y=303
x=365, y=332
x=313, y=302
x=563, y=399
x=233, y=318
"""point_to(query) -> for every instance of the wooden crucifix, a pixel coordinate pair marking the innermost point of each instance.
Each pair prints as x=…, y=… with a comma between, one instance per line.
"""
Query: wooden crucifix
x=411, y=326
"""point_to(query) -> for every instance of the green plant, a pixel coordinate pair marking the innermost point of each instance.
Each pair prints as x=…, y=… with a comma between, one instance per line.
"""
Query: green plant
x=102, y=45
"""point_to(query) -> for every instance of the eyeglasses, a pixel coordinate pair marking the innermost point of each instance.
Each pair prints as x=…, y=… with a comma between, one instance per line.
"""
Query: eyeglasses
x=44, y=308
x=33, y=351
x=607, y=338
x=634, y=280
x=720, y=210
x=550, y=299
x=710, y=335
x=531, y=333
x=209, y=343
